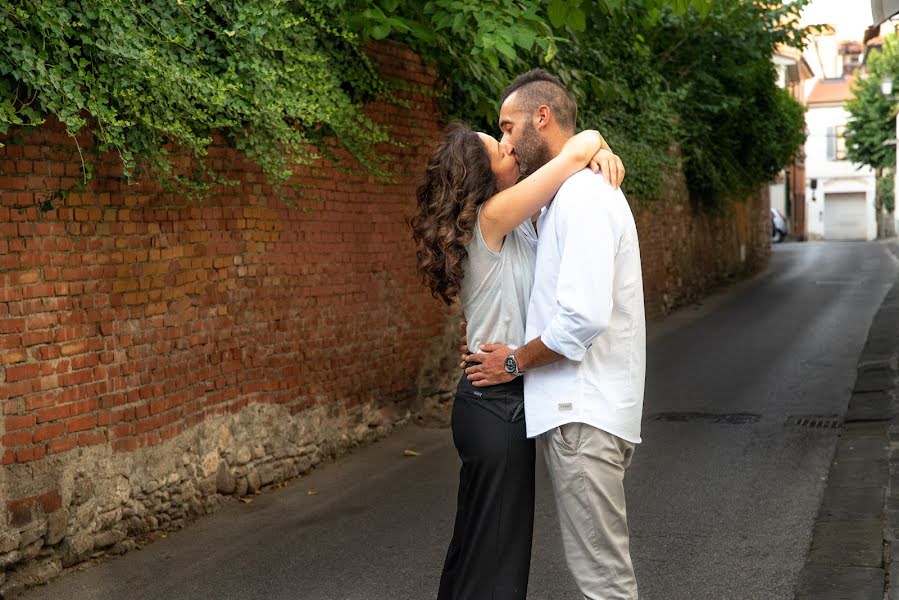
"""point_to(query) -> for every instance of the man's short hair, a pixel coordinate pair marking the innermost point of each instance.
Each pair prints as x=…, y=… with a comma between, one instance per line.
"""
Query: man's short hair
x=538, y=87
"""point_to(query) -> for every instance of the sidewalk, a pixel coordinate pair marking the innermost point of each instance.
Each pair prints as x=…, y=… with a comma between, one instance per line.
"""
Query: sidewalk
x=855, y=545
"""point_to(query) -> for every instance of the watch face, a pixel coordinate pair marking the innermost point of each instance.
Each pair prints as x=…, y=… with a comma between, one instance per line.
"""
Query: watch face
x=511, y=365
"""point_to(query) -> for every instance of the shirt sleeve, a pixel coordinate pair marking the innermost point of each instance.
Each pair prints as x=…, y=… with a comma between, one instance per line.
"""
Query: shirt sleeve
x=587, y=247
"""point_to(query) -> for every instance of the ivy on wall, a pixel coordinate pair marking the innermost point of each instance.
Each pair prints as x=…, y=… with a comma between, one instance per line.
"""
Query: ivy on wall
x=667, y=82
x=276, y=77
x=672, y=84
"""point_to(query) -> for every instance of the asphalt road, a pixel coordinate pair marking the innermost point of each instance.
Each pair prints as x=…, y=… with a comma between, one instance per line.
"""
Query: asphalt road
x=722, y=494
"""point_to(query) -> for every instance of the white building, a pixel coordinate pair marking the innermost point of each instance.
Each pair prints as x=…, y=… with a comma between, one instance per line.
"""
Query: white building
x=840, y=195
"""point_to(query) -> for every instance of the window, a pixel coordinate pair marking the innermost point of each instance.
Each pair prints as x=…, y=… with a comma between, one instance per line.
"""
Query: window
x=841, y=142
x=836, y=143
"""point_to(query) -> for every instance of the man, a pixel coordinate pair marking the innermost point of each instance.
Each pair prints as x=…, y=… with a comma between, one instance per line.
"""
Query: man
x=584, y=365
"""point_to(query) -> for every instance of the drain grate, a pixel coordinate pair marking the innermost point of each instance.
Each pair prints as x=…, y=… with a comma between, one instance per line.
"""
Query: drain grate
x=815, y=421
x=701, y=417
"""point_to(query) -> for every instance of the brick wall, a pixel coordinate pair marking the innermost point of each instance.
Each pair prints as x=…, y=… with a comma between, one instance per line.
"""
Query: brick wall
x=158, y=355
x=686, y=253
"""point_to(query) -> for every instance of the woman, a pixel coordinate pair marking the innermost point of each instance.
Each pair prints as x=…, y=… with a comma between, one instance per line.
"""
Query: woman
x=476, y=242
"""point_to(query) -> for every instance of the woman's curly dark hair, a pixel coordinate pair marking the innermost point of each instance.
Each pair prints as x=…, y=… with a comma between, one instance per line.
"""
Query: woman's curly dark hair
x=457, y=180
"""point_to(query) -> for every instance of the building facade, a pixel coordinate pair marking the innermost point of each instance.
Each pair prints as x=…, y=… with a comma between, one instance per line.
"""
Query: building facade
x=840, y=195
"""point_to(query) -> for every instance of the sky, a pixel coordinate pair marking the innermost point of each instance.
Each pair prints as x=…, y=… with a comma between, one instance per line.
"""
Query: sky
x=850, y=17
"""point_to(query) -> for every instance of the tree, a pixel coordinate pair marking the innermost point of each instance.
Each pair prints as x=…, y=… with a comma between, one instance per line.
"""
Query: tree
x=872, y=118
x=739, y=128
x=871, y=113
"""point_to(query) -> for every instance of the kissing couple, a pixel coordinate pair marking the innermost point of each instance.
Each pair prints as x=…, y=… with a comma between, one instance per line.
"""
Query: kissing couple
x=547, y=270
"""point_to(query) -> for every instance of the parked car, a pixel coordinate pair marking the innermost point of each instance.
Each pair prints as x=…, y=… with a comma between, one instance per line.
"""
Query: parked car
x=779, y=228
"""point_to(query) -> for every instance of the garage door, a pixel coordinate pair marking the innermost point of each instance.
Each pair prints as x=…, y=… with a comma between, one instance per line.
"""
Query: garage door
x=844, y=217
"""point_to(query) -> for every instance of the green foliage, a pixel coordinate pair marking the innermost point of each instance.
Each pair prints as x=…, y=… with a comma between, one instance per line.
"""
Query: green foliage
x=661, y=79
x=476, y=45
x=276, y=77
x=739, y=128
x=871, y=128
x=620, y=92
x=871, y=114
x=664, y=80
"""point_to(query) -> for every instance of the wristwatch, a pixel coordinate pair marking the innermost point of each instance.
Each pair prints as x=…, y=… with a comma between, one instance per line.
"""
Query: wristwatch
x=511, y=365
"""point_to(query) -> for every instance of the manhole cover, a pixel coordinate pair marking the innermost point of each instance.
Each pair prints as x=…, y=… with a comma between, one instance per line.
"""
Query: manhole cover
x=815, y=421
x=701, y=417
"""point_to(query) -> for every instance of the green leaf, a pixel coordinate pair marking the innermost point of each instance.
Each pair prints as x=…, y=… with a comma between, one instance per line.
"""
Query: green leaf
x=505, y=49
x=703, y=7
x=381, y=31
x=551, y=52
x=524, y=38
x=577, y=18
x=422, y=33
x=557, y=10
x=458, y=22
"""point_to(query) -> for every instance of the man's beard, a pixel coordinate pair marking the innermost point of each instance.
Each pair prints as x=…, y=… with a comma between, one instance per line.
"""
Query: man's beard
x=532, y=150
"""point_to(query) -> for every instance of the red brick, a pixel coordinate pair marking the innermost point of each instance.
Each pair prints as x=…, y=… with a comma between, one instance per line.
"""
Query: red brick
x=12, y=325
x=24, y=277
x=31, y=453
x=72, y=348
x=8, y=294
x=14, y=422
x=85, y=361
x=91, y=438
x=123, y=430
x=41, y=321
x=67, y=334
x=53, y=413
x=147, y=425
x=125, y=444
x=17, y=438
x=49, y=352
x=62, y=444
x=8, y=342
x=49, y=432
x=81, y=423
x=14, y=356
x=20, y=372
x=76, y=378
x=13, y=390
x=37, y=291
x=84, y=406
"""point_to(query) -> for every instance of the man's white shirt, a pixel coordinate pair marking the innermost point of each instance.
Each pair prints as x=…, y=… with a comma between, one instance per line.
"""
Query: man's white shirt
x=587, y=305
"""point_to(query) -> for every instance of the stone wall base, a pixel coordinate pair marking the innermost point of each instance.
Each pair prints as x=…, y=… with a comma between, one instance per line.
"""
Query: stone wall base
x=103, y=503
